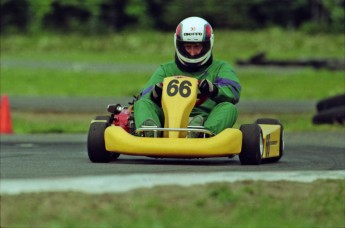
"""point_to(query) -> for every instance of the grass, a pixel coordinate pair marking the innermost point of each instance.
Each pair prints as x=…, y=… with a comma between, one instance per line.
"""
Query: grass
x=67, y=83
x=154, y=47
x=240, y=204
x=266, y=84
x=31, y=122
x=120, y=64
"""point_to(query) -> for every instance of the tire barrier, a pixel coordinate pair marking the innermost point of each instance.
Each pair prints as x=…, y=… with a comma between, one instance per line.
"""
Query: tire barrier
x=260, y=59
x=330, y=110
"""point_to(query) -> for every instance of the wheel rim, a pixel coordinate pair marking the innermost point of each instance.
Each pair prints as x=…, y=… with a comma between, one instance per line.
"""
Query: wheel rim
x=261, y=145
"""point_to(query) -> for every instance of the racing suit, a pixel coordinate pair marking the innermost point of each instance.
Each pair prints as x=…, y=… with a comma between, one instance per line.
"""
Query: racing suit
x=219, y=112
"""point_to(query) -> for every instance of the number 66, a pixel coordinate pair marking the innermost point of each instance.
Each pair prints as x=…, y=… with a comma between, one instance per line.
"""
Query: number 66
x=174, y=87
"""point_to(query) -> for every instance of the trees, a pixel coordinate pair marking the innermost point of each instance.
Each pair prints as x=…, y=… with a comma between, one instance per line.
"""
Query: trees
x=94, y=16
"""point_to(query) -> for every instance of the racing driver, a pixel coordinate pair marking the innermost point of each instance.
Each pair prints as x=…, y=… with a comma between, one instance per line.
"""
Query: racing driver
x=193, y=40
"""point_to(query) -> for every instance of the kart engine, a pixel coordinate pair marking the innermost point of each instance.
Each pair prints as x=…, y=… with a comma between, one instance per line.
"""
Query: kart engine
x=123, y=117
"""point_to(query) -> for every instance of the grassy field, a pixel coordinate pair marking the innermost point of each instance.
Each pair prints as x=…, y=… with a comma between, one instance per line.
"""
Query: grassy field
x=32, y=122
x=153, y=47
x=51, y=65
x=258, y=84
x=241, y=204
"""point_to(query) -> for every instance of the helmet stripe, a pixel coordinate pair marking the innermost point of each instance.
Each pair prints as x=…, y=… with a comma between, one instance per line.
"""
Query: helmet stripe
x=178, y=31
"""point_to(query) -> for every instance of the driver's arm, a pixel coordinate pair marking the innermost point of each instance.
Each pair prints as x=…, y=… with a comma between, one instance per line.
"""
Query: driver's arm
x=157, y=77
x=229, y=87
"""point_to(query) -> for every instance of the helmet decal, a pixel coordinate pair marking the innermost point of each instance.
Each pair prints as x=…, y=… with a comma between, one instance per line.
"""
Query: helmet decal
x=208, y=32
x=178, y=31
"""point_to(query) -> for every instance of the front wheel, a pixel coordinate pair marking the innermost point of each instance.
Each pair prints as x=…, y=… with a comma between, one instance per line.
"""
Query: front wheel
x=252, y=144
x=96, y=144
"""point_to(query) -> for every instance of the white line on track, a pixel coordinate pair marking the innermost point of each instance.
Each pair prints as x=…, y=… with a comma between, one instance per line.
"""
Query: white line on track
x=123, y=183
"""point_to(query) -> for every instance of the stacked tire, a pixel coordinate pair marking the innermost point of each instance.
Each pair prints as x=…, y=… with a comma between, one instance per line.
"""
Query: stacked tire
x=330, y=110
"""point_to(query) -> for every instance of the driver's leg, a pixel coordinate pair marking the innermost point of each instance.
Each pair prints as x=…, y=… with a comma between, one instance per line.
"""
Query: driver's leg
x=223, y=115
x=146, y=111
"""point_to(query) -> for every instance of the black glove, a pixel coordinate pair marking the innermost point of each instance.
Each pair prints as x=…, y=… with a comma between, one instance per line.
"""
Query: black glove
x=207, y=88
x=157, y=93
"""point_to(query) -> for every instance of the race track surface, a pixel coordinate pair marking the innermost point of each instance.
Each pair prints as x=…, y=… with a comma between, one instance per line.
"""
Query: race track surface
x=39, y=156
x=36, y=163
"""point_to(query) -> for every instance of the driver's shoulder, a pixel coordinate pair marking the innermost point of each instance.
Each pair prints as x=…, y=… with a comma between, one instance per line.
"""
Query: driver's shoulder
x=220, y=62
x=170, y=68
x=168, y=64
x=218, y=65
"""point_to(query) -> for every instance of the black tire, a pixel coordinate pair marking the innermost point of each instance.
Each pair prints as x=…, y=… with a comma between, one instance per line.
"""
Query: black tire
x=331, y=102
x=268, y=121
x=281, y=149
x=330, y=116
x=107, y=118
x=95, y=142
x=252, y=144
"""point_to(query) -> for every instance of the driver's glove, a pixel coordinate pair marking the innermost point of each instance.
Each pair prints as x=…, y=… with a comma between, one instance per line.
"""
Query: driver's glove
x=156, y=94
x=207, y=88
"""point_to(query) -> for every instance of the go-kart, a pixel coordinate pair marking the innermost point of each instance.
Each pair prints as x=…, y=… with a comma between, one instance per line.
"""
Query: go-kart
x=110, y=136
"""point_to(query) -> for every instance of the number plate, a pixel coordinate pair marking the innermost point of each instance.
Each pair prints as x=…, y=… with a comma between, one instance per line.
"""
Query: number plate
x=178, y=99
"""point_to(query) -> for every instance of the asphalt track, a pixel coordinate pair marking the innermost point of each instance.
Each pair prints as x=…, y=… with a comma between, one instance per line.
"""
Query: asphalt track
x=55, y=159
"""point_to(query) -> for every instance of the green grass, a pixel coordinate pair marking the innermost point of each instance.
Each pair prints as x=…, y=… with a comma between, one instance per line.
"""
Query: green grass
x=43, y=82
x=154, y=47
x=132, y=57
x=31, y=122
x=258, y=84
x=240, y=204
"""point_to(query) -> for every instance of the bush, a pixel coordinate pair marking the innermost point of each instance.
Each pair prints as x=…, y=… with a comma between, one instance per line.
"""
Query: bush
x=98, y=16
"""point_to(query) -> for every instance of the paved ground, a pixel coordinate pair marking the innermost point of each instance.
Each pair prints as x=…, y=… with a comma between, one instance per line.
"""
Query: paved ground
x=60, y=162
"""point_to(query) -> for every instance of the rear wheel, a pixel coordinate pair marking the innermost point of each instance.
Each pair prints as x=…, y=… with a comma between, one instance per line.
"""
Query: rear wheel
x=106, y=118
x=281, y=148
x=252, y=144
x=95, y=141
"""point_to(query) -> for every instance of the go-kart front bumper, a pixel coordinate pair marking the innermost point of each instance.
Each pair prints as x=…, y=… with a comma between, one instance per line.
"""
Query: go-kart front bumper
x=228, y=142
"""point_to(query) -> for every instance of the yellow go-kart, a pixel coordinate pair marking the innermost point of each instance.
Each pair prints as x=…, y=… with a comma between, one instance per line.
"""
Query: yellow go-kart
x=110, y=136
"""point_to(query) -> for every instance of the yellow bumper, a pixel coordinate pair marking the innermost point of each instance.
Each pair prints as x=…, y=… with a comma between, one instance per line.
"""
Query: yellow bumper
x=228, y=142
x=271, y=134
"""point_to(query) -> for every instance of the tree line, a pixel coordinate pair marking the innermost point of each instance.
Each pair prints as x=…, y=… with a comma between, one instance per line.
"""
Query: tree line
x=101, y=16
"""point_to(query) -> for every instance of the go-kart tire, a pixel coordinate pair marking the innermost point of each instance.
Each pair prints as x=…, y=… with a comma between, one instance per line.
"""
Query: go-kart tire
x=281, y=149
x=107, y=118
x=96, y=144
x=252, y=144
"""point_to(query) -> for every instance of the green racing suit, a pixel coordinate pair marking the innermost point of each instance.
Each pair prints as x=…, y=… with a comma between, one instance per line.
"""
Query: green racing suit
x=218, y=113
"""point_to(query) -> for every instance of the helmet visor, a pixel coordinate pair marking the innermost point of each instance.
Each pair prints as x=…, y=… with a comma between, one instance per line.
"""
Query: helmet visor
x=191, y=50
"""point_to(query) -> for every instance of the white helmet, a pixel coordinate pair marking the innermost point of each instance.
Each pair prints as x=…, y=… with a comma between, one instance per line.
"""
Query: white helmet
x=196, y=30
